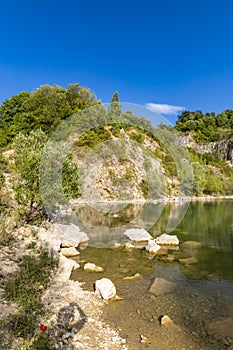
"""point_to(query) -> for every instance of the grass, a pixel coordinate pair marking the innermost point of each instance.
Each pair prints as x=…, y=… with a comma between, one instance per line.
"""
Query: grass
x=24, y=288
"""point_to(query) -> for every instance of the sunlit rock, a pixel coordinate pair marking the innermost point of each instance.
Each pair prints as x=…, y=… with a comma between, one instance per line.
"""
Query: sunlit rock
x=166, y=239
x=92, y=267
x=165, y=321
x=138, y=234
x=69, y=252
x=152, y=247
x=104, y=288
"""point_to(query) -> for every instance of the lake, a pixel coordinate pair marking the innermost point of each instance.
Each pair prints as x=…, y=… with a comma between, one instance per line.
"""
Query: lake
x=201, y=305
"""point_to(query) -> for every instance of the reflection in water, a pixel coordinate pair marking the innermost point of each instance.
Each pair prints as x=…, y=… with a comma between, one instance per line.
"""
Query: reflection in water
x=204, y=288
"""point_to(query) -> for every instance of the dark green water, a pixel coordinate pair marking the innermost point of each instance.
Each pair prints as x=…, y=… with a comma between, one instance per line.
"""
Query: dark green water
x=204, y=289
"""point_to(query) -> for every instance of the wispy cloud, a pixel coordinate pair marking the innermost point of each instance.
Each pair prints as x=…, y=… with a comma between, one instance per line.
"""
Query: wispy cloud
x=164, y=108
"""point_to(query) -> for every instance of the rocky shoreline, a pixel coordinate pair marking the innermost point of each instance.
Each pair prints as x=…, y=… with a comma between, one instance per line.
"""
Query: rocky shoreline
x=73, y=315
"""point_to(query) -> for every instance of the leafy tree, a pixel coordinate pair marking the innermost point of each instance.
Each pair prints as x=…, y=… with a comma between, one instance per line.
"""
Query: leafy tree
x=28, y=152
x=115, y=107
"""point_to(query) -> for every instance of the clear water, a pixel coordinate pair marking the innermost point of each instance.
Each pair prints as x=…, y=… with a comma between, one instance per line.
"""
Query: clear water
x=204, y=290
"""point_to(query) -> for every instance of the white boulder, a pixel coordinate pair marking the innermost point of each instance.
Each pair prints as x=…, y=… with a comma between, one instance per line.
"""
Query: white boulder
x=152, y=247
x=105, y=289
x=137, y=234
x=166, y=239
x=72, y=232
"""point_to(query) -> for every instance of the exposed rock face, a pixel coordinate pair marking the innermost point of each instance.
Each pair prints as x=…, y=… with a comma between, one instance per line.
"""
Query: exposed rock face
x=161, y=286
x=223, y=149
x=138, y=234
x=105, y=289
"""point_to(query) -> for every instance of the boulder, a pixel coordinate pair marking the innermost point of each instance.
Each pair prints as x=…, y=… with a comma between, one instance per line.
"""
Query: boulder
x=92, y=267
x=152, y=247
x=72, y=232
x=137, y=234
x=65, y=267
x=69, y=252
x=105, y=289
x=166, y=239
x=161, y=286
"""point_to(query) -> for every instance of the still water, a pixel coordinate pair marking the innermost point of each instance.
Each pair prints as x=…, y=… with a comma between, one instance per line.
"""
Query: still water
x=201, y=306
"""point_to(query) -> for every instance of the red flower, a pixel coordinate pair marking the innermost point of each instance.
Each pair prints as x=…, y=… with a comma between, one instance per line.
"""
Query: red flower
x=43, y=328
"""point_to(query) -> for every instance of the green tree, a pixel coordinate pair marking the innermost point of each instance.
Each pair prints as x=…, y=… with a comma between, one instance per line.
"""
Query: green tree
x=115, y=107
x=28, y=152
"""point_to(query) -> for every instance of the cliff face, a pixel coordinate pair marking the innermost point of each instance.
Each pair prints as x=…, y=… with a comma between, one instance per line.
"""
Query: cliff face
x=223, y=149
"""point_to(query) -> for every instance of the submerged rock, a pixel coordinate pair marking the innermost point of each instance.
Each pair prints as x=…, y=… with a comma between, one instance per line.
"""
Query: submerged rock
x=93, y=267
x=105, y=289
x=188, y=261
x=166, y=239
x=137, y=234
x=161, y=286
x=192, y=244
x=129, y=278
x=152, y=247
x=222, y=328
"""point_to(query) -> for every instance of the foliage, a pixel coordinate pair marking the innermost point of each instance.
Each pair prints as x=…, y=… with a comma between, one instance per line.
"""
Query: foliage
x=43, y=109
x=206, y=127
x=28, y=152
x=24, y=288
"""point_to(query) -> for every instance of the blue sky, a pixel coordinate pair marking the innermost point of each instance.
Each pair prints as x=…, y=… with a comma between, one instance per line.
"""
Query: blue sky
x=175, y=53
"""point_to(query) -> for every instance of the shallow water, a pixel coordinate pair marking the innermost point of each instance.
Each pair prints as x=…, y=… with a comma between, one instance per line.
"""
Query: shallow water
x=204, y=290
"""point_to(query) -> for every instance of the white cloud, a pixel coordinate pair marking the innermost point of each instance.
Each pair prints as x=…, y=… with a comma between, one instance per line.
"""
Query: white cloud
x=164, y=108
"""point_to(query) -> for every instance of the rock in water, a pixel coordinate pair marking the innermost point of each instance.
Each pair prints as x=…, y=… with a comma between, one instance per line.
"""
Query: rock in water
x=72, y=232
x=105, y=289
x=161, y=286
x=69, y=252
x=166, y=239
x=152, y=247
x=93, y=267
x=137, y=234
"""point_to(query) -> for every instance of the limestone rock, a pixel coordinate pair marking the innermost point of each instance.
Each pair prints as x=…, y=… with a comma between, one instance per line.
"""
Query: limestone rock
x=72, y=232
x=165, y=320
x=152, y=247
x=69, y=252
x=65, y=267
x=161, y=286
x=105, y=289
x=93, y=268
x=138, y=234
x=166, y=239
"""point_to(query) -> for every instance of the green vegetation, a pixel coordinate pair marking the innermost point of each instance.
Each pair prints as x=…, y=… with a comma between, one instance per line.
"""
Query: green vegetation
x=27, y=121
x=24, y=288
x=206, y=127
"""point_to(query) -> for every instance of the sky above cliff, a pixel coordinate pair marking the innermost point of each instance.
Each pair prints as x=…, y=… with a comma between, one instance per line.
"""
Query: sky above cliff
x=167, y=55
